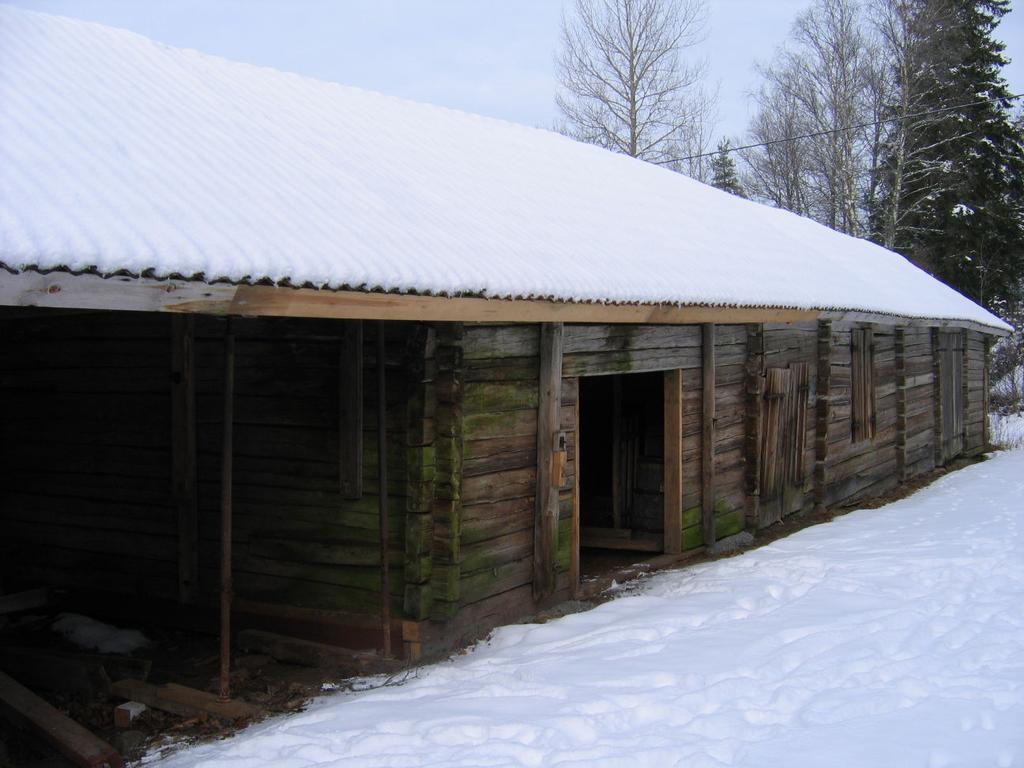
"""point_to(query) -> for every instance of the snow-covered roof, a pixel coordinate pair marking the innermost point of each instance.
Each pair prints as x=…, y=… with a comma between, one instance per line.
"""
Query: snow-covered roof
x=120, y=154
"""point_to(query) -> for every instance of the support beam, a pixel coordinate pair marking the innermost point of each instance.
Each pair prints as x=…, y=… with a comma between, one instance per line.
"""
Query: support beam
x=707, y=475
x=985, y=407
x=545, y=543
x=821, y=414
x=183, y=451
x=350, y=411
x=901, y=404
x=574, y=551
x=752, y=439
x=673, y=526
x=382, y=494
x=937, y=442
x=226, y=482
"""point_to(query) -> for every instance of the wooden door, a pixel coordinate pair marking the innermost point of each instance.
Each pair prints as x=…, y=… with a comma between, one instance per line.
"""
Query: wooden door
x=784, y=431
x=951, y=389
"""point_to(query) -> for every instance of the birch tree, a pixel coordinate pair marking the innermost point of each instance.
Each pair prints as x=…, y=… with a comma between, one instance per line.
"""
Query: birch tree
x=625, y=84
x=820, y=87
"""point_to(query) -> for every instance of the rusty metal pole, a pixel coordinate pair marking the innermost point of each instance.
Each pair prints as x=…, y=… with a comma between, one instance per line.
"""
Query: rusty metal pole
x=227, y=451
x=382, y=461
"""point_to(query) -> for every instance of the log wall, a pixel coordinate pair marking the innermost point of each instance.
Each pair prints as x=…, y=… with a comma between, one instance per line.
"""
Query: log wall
x=90, y=501
x=867, y=467
x=89, y=497
x=85, y=431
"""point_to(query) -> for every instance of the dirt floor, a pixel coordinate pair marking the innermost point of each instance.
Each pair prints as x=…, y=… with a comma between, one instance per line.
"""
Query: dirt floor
x=185, y=658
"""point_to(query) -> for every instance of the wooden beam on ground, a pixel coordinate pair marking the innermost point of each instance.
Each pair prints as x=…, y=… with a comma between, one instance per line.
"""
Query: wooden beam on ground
x=184, y=701
x=673, y=522
x=821, y=413
x=29, y=712
x=707, y=475
x=183, y=453
x=24, y=601
x=545, y=543
x=293, y=650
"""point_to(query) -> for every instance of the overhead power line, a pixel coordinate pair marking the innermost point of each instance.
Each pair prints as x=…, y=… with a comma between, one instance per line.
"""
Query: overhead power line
x=858, y=126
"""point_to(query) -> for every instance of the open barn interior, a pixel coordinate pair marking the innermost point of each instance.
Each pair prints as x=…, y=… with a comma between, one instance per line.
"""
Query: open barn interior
x=114, y=451
x=621, y=459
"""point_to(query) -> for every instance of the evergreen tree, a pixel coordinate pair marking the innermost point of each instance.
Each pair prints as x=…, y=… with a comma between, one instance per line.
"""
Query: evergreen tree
x=723, y=171
x=965, y=221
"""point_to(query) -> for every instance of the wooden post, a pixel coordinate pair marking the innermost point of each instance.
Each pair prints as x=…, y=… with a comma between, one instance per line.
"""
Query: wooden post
x=939, y=457
x=673, y=523
x=821, y=415
x=901, y=404
x=752, y=439
x=382, y=494
x=183, y=450
x=707, y=476
x=574, y=552
x=617, y=484
x=226, y=480
x=350, y=410
x=985, y=395
x=965, y=388
x=546, y=514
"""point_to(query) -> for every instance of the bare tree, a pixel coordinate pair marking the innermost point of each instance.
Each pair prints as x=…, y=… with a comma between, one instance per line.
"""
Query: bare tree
x=823, y=85
x=624, y=85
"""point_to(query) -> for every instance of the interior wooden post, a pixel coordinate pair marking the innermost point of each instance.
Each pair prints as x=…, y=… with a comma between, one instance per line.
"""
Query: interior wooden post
x=673, y=480
x=707, y=475
x=226, y=487
x=548, y=422
x=350, y=410
x=183, y=450
x=382, y=491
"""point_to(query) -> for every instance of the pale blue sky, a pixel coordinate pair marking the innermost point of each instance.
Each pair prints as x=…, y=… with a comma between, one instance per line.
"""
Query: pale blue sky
x=494, y=57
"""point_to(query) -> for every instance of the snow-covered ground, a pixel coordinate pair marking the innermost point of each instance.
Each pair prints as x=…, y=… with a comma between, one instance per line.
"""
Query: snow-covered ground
x=890, y=637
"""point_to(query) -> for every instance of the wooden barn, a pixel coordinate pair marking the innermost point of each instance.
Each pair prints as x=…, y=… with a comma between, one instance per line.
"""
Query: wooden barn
x=300, y=347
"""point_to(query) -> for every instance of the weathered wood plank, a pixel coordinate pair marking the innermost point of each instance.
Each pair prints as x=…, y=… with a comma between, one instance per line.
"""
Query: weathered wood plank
x=548, y=423
x=673, y=462
x=183, y=453
x=708, y=434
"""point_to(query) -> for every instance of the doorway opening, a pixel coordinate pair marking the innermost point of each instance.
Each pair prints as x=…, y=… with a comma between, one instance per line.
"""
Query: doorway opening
x=621, y=456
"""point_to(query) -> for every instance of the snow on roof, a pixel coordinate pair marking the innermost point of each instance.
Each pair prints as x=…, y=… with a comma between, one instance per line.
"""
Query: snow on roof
x=122, y=154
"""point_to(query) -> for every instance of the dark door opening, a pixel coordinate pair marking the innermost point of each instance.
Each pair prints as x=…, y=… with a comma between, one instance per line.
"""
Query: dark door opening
x=621, y=455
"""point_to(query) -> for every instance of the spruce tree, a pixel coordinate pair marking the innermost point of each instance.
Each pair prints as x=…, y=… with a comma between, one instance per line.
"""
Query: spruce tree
x=967, y=200
x=723, y=171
